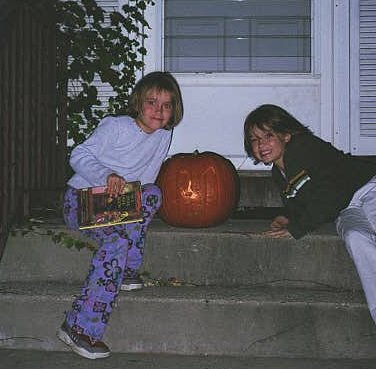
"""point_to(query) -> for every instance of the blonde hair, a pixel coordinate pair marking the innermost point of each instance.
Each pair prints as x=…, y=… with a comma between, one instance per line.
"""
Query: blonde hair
x=159, y=81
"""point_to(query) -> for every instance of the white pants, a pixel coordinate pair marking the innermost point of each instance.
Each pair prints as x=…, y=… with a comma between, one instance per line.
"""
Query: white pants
x=356, y=225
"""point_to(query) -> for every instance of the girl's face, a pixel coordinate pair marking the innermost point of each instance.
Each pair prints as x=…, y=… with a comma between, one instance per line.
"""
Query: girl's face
x=157, y=109
x=268, y=146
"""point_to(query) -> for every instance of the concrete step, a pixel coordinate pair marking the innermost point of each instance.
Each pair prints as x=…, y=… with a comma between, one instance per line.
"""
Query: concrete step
x=232, y=254
x=236, y=293
x=261, y=321
x=257, y=189
x=33, y=359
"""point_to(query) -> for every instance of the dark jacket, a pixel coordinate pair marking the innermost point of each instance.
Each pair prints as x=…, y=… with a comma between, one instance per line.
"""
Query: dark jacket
x=320, y=182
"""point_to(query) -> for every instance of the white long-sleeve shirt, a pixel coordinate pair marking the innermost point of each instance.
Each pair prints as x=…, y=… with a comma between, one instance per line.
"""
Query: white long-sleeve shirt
x=118, y=145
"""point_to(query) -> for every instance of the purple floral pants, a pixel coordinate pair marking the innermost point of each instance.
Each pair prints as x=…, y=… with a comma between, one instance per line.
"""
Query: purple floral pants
x=120, y=252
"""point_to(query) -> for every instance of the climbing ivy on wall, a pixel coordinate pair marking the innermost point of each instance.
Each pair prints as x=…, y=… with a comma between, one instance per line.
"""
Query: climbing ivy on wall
x=92, y=43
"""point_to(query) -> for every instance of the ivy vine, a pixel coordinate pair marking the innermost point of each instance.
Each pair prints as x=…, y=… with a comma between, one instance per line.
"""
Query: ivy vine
x=94, y=44
x=91, y=45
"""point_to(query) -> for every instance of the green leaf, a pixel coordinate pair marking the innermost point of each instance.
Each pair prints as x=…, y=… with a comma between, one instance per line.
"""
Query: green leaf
x=86, y=46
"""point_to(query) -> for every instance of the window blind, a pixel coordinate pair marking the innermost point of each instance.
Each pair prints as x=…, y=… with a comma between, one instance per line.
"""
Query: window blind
x=237, y=36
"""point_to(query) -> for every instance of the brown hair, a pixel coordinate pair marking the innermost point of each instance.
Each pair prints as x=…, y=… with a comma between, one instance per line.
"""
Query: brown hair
x=270, y=117
x=160, y=81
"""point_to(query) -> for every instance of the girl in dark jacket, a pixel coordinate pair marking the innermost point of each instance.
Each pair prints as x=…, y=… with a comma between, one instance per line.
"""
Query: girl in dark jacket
x=318, y=184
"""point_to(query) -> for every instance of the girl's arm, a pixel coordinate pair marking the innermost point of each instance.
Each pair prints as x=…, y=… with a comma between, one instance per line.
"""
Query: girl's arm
x=319, y=199
x=85, y=158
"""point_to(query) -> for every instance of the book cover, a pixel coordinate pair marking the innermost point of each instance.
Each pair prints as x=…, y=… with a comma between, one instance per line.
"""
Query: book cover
x=97, y=209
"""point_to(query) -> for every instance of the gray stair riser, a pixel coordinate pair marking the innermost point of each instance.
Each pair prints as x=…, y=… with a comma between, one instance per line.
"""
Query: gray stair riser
x=35, y=257
x=258, y=190
x=238, y=259
x=202, y=326
x=210, y=257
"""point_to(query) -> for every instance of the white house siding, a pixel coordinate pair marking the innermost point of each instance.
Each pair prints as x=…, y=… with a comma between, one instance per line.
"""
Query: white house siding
x=332, y=100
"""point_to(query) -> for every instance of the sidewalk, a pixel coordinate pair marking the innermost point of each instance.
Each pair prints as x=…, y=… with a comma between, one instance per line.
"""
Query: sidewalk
x=29, y=359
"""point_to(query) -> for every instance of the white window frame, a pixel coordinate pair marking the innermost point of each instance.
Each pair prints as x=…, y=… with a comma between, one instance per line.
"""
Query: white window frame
x=155, y=44
x=321, y=72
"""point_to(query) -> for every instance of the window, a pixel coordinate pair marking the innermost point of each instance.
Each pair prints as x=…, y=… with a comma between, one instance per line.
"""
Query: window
x=244, y=36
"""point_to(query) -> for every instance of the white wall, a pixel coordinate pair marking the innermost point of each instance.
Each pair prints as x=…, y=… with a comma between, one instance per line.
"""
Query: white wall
x=215, y=111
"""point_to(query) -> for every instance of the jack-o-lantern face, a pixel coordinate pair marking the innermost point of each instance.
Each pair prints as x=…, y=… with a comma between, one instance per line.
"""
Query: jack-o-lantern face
x=199, y=189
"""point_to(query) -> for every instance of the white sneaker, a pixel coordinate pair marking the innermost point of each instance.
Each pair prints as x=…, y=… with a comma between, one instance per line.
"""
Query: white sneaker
x=81, y=344
x=132, y=283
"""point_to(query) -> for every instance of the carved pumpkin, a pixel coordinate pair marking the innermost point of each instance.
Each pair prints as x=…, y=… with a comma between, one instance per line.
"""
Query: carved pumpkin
x=199, y=189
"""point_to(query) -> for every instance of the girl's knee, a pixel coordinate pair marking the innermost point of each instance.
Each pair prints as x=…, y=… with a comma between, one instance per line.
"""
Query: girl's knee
x=151, y=189
x=152, y=195
x=353, y=223
x=70, y=209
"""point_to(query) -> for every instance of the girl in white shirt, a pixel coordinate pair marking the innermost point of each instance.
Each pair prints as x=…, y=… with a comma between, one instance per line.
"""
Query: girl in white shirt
x=121, y=149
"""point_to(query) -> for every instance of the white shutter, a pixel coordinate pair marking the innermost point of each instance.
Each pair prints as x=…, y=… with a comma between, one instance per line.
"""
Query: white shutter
x=367, y=67
x=363, y=78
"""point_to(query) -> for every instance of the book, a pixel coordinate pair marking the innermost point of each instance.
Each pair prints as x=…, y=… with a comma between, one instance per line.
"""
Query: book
x=97, y=209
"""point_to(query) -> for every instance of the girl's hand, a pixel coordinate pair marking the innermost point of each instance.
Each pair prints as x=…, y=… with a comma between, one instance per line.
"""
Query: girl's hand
x=279, y=222
x=278, y=228
x=278, y=233
x=115, y=185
